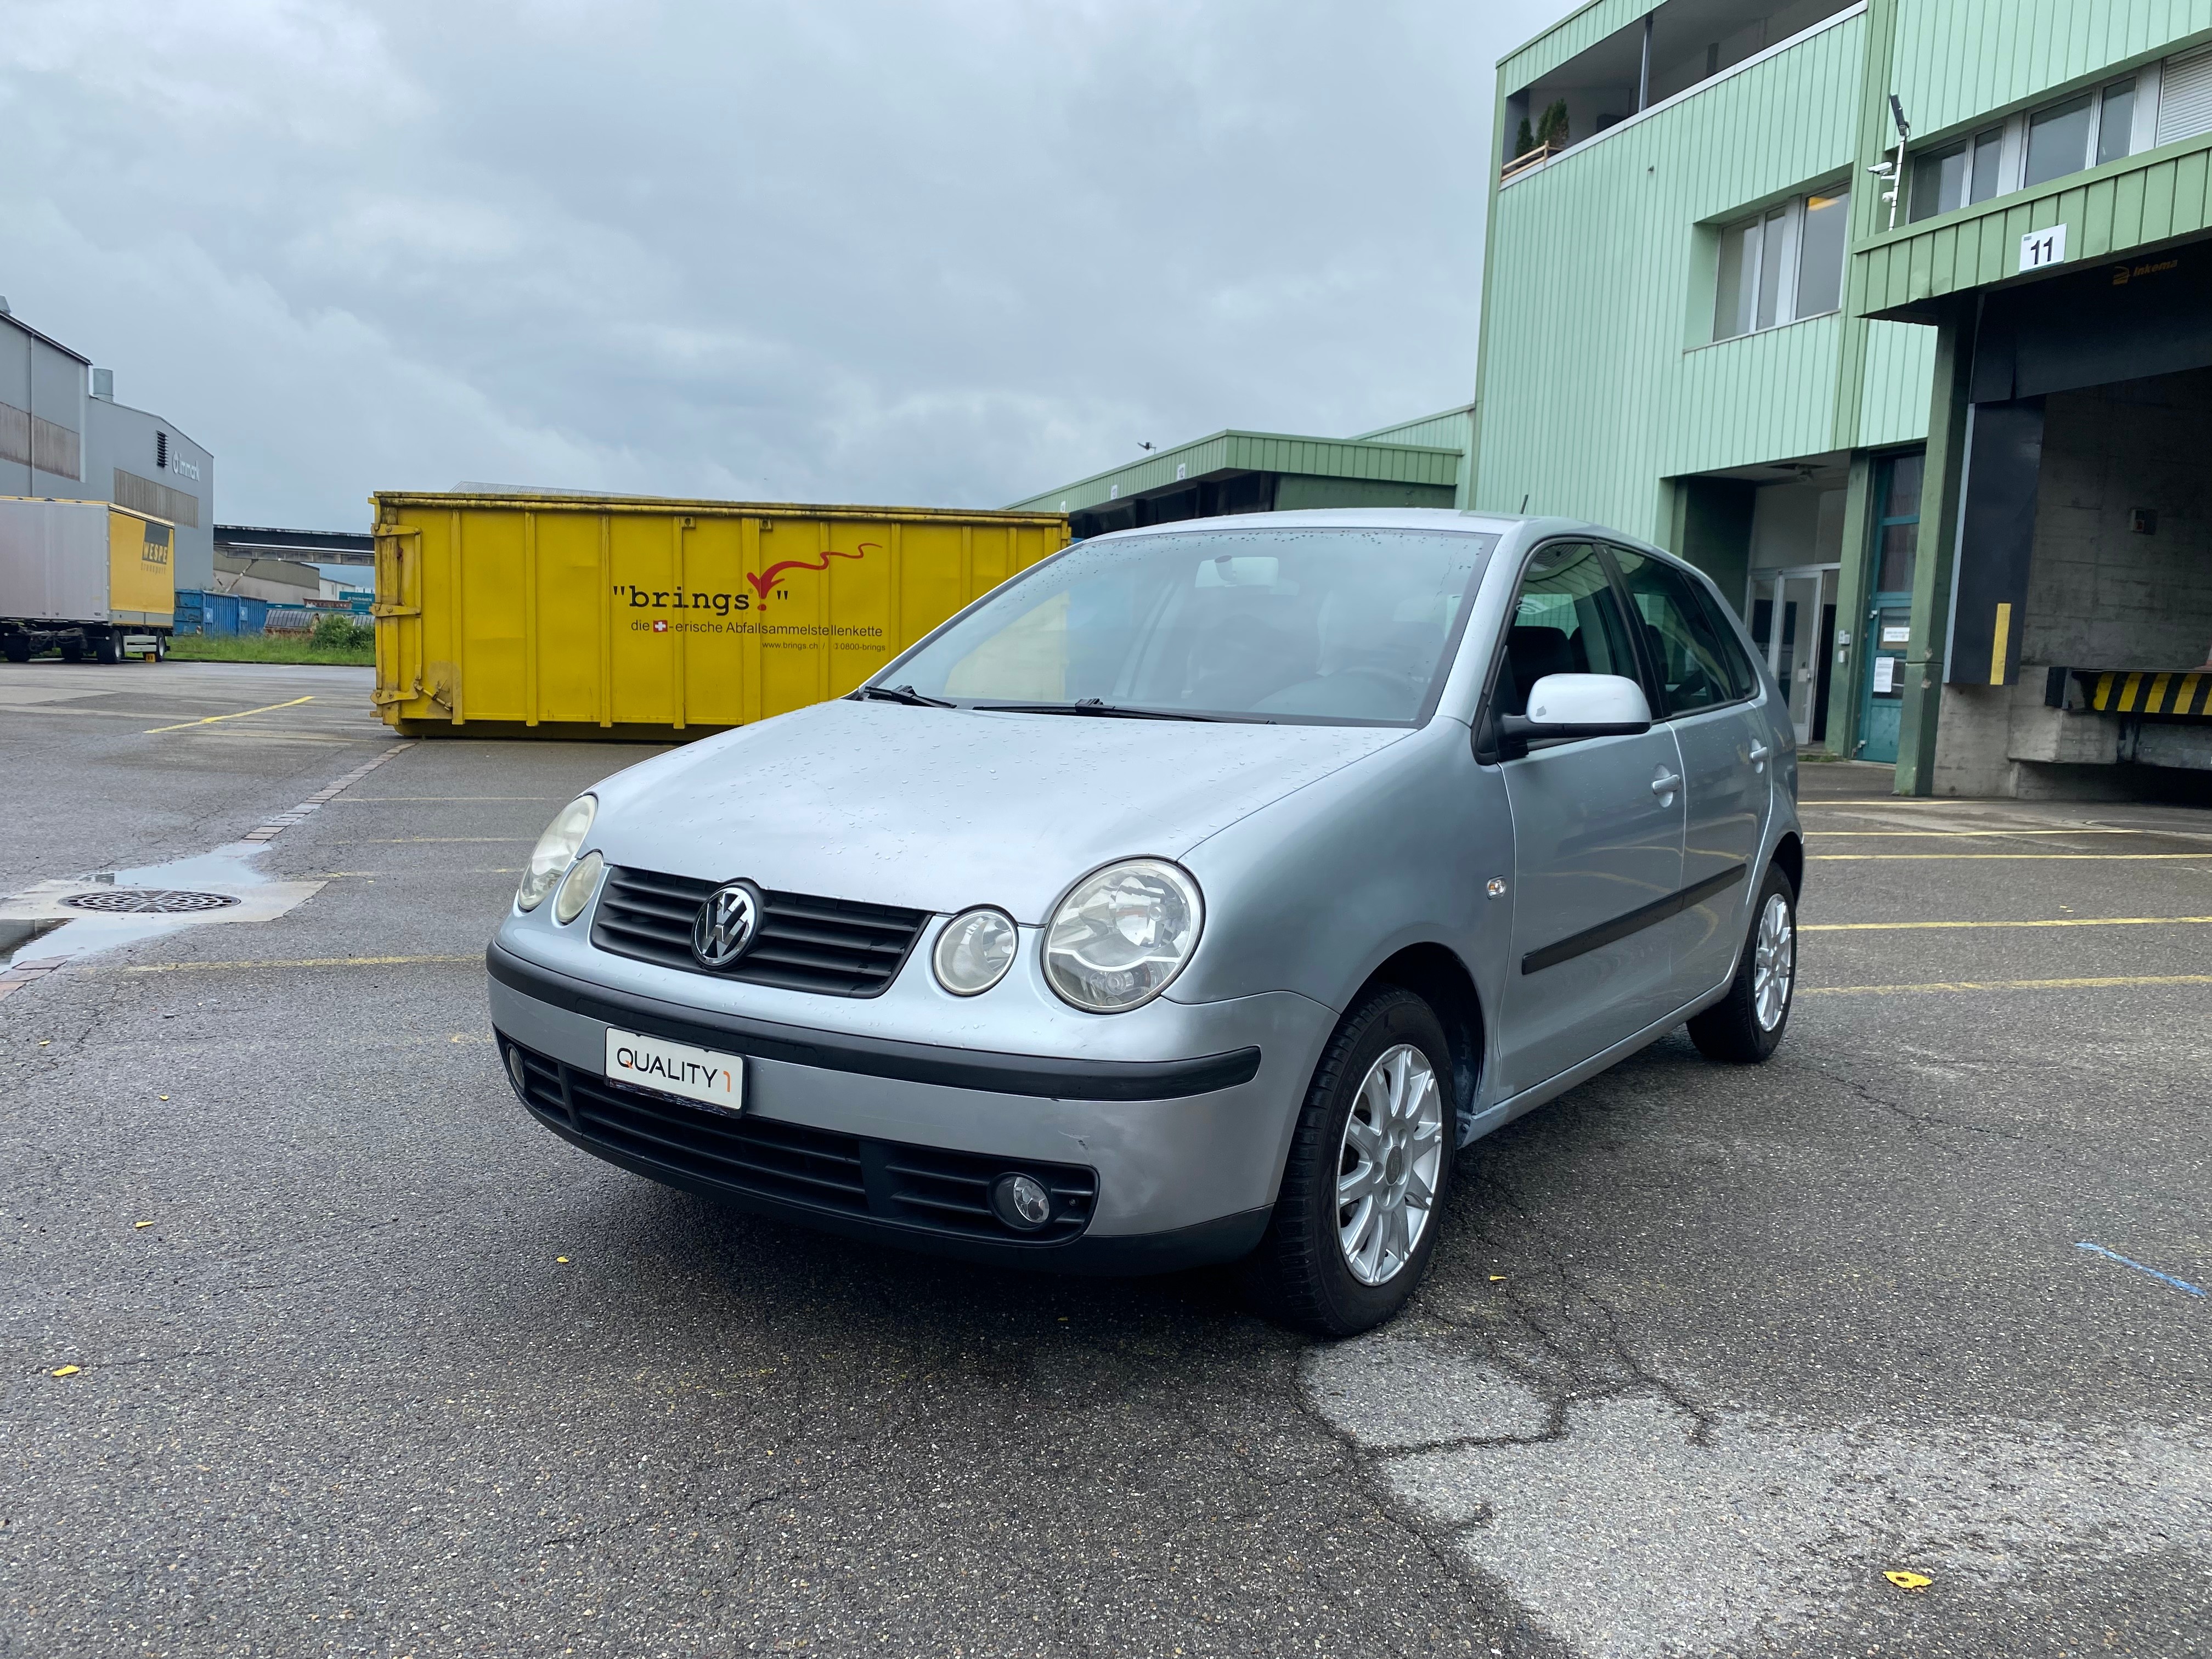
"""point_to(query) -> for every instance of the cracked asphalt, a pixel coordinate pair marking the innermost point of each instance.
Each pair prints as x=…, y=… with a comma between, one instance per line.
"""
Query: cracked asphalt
x=389, y=1370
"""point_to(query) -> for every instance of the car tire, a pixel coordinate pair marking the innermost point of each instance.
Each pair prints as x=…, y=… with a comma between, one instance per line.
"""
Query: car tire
x=1302, y=1273
x=108, y=648
x=15, y=650
x=1745, y=1027
x=72, y=653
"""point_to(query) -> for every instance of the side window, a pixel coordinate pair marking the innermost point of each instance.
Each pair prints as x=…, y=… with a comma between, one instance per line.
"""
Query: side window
x=1743, y=678
x=1568, y=620
x=1693, y=658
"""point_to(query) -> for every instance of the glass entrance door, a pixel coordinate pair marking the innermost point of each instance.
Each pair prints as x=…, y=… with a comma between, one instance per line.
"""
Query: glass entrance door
x=1792, y=619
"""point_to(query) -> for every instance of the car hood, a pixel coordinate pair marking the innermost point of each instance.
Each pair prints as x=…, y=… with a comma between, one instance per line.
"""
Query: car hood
x=938, y=809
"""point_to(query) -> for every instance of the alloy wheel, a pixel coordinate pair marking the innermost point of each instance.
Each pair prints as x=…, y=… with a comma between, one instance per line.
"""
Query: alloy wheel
x=1388, y=1163
x=1773, y=962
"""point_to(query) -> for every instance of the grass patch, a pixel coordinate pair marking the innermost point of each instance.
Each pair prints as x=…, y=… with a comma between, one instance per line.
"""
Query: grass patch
x=265, y=648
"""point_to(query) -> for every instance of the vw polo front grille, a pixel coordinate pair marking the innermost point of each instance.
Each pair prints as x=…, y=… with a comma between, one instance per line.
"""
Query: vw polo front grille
x=926, y=1189
x=836, y=947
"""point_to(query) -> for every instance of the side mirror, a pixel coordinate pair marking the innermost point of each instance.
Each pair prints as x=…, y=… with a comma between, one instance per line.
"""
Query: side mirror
x=1564, y=707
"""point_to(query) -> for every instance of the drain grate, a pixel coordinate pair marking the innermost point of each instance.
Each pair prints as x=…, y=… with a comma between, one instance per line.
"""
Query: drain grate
x=147, y=901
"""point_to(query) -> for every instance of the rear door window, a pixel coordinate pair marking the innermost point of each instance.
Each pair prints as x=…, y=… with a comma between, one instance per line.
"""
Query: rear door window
x=1691, y=658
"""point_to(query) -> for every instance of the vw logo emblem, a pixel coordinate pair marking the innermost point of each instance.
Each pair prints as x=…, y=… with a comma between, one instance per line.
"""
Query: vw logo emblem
x=725, y=924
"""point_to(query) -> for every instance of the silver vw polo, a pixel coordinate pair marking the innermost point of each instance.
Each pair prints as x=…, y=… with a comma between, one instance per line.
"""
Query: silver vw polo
x=1191, y=897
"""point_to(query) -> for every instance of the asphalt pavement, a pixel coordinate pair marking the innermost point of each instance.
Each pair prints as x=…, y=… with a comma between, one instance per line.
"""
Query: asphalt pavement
x=316, y=1344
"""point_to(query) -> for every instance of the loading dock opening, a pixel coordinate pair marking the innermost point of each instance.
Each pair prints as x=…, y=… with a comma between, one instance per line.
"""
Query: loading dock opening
x=2083, y=538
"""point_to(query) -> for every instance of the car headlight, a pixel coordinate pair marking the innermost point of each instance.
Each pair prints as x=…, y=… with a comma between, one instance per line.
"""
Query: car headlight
x=1122, y=934
x=974, y=951
x=556, y=848
x=577, y=887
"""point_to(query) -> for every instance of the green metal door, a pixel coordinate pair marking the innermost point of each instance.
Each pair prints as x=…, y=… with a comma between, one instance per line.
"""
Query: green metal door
x=1889, y=613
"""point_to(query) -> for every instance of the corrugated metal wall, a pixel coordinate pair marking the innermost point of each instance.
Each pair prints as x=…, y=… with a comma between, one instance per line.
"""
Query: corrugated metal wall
x=1579, y=32
x=1595, y=383
x=1893, y=392
x=2121, y=205
x=1253, y=452
x=1453, y=429
x=1955, y=60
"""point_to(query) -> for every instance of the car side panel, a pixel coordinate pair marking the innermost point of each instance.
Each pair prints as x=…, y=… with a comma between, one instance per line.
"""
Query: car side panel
x=1311, y=894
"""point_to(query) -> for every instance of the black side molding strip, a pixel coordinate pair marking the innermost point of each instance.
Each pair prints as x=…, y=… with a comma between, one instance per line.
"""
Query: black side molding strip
x=1635, y=921
x=1038, y=1075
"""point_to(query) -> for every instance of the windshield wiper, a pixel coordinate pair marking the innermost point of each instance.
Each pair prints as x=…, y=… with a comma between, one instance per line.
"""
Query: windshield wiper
x=1093, y=706
x=905, y=694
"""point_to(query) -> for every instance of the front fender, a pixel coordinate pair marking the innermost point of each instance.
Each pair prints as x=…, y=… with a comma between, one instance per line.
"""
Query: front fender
x=1314, y=892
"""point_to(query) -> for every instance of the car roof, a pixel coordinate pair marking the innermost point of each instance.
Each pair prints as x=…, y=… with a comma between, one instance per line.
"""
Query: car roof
x=1534, y=528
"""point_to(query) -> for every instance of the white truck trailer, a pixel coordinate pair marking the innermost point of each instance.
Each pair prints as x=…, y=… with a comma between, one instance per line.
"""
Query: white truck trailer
x=94, y=579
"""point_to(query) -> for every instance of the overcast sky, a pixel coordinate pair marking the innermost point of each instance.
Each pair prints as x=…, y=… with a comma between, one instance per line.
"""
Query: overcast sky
x=946, y=253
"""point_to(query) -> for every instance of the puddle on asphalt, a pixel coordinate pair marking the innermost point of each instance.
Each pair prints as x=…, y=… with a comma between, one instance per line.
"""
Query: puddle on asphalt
x=35, y=925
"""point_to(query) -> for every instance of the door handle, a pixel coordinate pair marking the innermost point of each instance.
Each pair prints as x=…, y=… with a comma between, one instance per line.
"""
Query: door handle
x=1758, y=753
x=1666, y=784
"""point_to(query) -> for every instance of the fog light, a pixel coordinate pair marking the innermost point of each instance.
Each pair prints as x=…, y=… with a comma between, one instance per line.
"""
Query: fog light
x=516, y=1075
x=1021, y=1201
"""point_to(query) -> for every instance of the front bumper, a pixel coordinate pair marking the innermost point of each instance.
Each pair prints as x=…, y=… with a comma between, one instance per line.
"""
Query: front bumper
x=1155, y=1165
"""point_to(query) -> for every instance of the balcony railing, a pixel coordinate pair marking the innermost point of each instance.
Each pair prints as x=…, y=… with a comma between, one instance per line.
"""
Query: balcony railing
x=1527, y=159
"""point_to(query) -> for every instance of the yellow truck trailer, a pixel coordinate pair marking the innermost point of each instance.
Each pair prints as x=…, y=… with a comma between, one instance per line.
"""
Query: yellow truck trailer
x=94, y=579
x=578, y=616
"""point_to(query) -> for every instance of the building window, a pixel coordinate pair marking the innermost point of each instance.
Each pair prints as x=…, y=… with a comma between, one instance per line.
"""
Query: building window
x=2115, y=120
x=2057, y=140
x=1897, y=522
x=1956, y=175
x=2084, y=132
x=1781, y=265
x=1826, y=227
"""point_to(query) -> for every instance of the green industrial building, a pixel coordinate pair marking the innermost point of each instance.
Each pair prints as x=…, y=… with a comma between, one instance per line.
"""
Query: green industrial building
x=1895, y=316
x=1420, y=462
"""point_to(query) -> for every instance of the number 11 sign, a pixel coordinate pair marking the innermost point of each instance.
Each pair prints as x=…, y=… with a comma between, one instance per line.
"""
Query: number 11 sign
x=2039, y=248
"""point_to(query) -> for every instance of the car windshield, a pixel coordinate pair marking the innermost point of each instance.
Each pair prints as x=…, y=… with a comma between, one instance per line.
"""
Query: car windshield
x=1299, y=626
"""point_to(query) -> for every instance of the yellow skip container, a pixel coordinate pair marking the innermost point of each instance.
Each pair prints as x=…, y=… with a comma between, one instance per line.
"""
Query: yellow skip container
x=586, y=615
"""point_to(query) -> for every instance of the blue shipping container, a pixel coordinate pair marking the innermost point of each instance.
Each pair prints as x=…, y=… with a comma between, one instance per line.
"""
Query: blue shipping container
x=188, y=611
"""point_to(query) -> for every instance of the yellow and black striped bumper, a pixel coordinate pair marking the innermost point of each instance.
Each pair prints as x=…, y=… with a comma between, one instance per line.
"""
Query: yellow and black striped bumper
x=2173, y=694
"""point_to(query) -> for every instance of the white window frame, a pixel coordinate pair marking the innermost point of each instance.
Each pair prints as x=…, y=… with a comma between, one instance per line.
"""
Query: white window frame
x=1793, y=241
x=2012, y=156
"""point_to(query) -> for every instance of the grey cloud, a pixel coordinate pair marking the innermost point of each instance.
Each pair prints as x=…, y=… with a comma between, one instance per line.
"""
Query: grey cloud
x=939, y=251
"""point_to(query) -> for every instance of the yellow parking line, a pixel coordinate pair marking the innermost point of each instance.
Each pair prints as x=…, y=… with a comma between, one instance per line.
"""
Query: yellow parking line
x=2005, y=985
x=181, y=726
x=1860, y=858
x=1931, y=834
x=306, y=962
x=2063, y=921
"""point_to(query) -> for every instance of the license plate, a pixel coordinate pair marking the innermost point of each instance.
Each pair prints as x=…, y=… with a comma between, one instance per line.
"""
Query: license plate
x=677, y=1068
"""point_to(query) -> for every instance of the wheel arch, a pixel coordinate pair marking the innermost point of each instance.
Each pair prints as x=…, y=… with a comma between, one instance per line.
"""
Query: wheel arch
x=1789, y=858
x=1435, y=974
